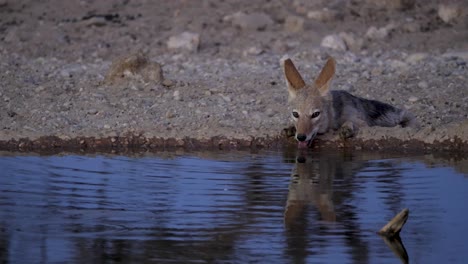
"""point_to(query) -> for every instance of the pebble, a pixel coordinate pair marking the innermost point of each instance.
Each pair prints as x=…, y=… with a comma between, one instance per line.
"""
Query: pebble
x=186, y=41
x=253, y=51
x=167, y=83
x=226, y=98
x=456, y=54
x=423, y=85
x=92, y=111
x=253, y=21
x=413, y=99
x=324, y=15
x=39, y=89
x=449, y=12
x=176, y=95
x=416, y=58
x=352, y=42
x=334, y=42
x=95, y=21
x=106, y=126
x=380, y=33
x=294, y=24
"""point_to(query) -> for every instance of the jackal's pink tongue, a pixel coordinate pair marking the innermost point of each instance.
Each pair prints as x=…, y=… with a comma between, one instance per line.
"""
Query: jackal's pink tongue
x=302, y=144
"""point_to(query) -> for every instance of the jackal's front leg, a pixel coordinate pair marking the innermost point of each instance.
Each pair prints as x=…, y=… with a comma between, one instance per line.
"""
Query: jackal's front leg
x=290, y=131
x=348, y=130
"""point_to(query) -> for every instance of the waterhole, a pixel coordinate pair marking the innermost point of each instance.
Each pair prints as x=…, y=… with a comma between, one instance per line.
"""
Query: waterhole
x=231, y=207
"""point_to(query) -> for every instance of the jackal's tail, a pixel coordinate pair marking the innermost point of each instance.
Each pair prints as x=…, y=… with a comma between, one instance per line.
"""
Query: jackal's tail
x=407, y=119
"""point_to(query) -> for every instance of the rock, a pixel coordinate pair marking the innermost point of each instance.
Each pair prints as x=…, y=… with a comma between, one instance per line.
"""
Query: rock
x=176, y=96
x=456, y=54
x=411, y=27
x=135, y=66
x=334, y=42
x=96, y=21
x=324, y=15
x=416, y=58
x=294, y=24
x=399, y=65
x=423, y=85
x=377, y=33
x=254, y=21
x=186, y=40
x=92, y=111
x=449, y=12
x=253, y=51
x=167, y=83
x=413, y=99
x=352, y=42
x=392, y=4
x=226, y=98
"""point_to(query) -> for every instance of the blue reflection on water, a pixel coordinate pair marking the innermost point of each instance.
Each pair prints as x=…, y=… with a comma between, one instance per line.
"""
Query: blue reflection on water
x=228, y=207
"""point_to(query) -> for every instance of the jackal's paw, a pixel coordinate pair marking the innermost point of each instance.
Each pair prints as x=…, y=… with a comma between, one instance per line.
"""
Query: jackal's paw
x=290, y=131
x=346, y=132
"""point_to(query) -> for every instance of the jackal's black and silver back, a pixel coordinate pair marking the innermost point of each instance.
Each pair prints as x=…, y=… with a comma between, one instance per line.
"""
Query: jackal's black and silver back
x=348, y=107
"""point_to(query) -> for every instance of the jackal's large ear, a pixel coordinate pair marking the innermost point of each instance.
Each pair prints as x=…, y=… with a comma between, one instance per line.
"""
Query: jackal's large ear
x=293, y=78
x=324, y=79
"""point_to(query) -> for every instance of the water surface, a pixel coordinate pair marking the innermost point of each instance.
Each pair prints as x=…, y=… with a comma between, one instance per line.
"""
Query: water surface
x=234, y=207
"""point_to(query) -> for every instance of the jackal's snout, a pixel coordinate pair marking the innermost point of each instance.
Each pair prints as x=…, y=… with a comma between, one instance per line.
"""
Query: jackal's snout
x=301, y=137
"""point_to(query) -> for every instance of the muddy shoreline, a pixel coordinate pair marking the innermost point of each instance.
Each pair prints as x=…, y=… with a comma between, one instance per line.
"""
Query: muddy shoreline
x=138, y=143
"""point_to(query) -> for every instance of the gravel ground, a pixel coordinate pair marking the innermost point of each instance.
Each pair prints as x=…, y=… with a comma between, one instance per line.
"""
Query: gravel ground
x=89, y=72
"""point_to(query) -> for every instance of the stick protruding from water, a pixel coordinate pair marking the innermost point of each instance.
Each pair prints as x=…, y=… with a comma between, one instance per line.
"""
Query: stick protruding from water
x=395, y=225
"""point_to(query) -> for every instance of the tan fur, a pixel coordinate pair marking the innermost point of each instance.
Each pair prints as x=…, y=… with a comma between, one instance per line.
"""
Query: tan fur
x=316, y=109
x=308, y=99
x=293, y=78
x=322, y=82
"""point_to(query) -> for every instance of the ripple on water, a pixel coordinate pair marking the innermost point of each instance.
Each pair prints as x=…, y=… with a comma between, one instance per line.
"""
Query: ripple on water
x=228, y=207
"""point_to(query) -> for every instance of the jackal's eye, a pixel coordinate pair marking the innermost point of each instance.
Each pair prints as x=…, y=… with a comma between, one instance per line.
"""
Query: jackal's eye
x=315, y=114
x=295, y=114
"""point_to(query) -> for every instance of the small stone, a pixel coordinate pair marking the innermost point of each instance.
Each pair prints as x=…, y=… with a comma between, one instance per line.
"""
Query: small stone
x=270, y=112
x=324, y=15
x=334, y=42
x=413, y=99
x=253, y=21
x=186, y=40
x=170, y=114
x=176, y=95
x=226, y=98
x=106, y=126
x=39, y=89
x=92, y=111
x=167, y=83
x=397, y=64
x=392, y=4
x=463, y=55
x=449, y=12
x=352, y=42
x=423, y=85
x=411, y=27
x=134, y=66
x=376, y=33
x=96, y=21
x=416, y=58
x=253, y=51
x=294, y=24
